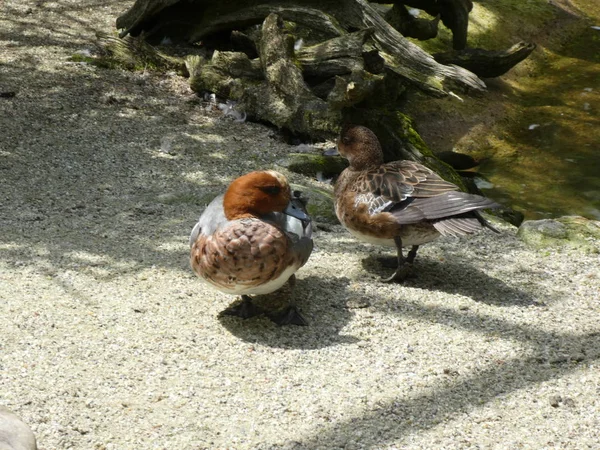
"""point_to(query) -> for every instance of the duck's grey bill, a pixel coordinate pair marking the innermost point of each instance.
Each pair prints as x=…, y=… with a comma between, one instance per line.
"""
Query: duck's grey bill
x=295, y=211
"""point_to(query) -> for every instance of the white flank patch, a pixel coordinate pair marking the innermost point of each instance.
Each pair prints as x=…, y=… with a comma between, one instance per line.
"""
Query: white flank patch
x=267, y=288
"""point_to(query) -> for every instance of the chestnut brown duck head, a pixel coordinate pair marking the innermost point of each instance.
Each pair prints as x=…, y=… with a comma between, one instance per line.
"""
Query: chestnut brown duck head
x=252, y=240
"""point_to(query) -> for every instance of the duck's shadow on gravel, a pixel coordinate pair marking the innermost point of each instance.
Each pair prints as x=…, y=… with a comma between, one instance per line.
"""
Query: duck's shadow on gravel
x=321, y=301
x=455, y=277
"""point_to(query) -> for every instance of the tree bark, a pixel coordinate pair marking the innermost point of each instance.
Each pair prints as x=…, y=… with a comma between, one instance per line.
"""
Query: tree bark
x=487, y=63
x=454, y=14
x=194, y=19
x=272, y=88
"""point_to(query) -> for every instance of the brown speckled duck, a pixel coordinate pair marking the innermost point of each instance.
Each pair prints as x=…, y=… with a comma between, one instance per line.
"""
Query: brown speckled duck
x=401, y=203
x=251, y=241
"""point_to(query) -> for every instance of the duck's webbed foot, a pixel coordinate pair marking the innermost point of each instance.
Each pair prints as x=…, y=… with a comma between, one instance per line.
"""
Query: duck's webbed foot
x=246, y=309
x=404, y=268
x=402, y=273
x=288, y=316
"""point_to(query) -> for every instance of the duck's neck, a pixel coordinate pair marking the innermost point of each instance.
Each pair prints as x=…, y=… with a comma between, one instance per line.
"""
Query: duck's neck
x=237, y=207
x=367, y=160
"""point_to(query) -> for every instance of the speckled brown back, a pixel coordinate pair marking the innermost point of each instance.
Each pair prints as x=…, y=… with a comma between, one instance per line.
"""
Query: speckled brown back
x=246, y=252
x=357, y=216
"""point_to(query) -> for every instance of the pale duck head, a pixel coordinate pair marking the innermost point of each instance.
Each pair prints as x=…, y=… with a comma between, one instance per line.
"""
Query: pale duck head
x=360, y=146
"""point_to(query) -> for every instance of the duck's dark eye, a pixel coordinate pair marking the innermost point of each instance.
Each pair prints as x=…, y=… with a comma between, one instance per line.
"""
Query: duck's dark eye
x=346, y=140
x=271, y=190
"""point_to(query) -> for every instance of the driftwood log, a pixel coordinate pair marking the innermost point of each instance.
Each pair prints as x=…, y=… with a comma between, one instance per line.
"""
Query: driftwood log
x=453, y=13
x=270, y=88
x=308, y=68
x=487, y=63
x=193, y=20
x=135, y=53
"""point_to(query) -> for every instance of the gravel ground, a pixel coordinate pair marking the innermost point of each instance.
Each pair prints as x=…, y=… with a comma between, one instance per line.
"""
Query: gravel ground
x=110, y=342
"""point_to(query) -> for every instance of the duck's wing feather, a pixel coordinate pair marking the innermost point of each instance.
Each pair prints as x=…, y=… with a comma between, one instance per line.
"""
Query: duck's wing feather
x=399, y=180
x=467, y=223
x=458, y=226
x=398, y=183
x=413, y=192
x=442, y=206
x=212, y=218
x=375, y=203
x=304, y=245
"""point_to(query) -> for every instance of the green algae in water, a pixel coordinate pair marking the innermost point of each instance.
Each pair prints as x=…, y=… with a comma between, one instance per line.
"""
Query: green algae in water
x=542, y=154
x=555, y=169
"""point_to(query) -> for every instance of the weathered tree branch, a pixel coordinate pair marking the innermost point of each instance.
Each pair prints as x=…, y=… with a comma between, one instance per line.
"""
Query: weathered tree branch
x=324, y=16
x=487, y=63
x=409, y=26
x=135, y=52
x=272, y=88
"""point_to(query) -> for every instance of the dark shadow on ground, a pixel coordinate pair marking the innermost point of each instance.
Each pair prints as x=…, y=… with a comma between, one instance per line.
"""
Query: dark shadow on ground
x=54, y=206
x=456, y=277
x=321, y=301
x=78, y=200
x=395, y=419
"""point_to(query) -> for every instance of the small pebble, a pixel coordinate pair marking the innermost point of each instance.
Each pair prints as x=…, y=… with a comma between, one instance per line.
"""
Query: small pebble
x=555, y=401
x=357, y=303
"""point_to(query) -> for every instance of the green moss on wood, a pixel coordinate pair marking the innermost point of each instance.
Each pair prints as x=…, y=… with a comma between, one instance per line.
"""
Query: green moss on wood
x=135, y=54
x=310, y=164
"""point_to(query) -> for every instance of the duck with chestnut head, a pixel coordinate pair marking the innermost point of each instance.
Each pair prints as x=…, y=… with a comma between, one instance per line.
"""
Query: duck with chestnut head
x=400, y=203
x=251, y=241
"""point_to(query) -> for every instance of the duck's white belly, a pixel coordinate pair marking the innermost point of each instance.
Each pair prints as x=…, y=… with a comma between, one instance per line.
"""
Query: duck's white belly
x=265, y=288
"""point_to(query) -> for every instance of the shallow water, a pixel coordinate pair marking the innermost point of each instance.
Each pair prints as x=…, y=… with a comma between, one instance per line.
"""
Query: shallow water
x=546, y=163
